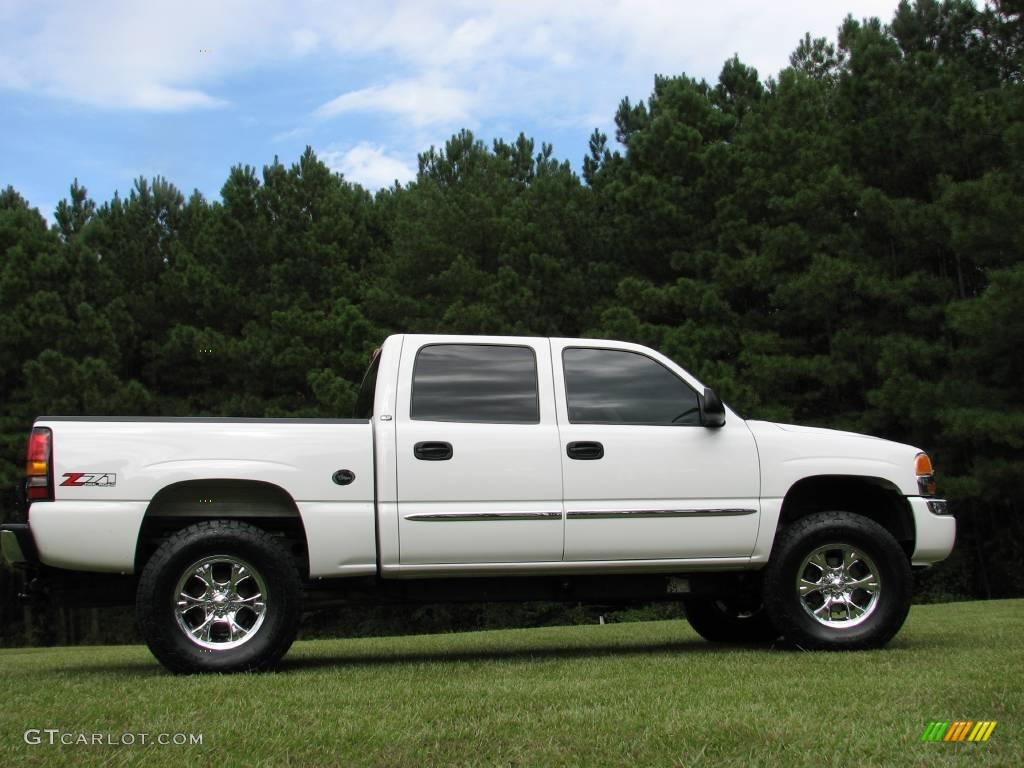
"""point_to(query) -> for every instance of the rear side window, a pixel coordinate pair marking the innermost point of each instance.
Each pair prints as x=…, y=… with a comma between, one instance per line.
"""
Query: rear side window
x=364, y=400
x=475, y=383
x=615, y=386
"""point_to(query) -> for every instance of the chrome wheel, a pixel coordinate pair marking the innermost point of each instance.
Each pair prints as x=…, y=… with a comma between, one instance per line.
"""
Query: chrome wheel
x=838, y=586
x=220, y=602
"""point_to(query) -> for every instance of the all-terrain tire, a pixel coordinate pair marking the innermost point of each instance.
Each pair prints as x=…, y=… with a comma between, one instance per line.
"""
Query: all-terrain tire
x=245, y=593
x=837, y=581
x=730, y=620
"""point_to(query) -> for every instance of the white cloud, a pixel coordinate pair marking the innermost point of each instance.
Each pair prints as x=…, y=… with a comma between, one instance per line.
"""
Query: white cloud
x=470, y=39
x=553, y=60
x=10, y=77
x=368, y=165
x=420, y=101
x=122, y=54
x=303, y=41
x=161, y=98
x=292, y=133
x=430, y=61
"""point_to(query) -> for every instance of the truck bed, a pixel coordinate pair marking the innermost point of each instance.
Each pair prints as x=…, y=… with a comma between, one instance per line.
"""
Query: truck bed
x=87, y=527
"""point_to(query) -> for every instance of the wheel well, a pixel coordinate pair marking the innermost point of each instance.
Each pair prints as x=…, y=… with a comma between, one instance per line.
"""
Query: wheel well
x=263, y=505
x=872, y=497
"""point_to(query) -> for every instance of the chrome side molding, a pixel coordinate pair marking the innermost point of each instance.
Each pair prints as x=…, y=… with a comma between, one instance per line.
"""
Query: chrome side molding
x=612, y=514
x=461, y=517
x=596, y=514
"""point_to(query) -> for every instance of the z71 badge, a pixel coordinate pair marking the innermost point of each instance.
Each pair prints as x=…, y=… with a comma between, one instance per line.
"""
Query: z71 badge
x=105, y=479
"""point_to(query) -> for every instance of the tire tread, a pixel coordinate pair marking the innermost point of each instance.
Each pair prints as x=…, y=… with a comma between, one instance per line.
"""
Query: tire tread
x=778, y=587
x=151, y=625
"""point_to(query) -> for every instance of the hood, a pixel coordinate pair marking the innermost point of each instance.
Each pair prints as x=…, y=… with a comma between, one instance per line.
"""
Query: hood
x=822, y=431
x=789, y=452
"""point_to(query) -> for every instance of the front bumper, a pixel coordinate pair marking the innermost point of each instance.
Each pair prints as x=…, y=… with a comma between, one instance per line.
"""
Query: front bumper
x=934, y=530
x=17, y=546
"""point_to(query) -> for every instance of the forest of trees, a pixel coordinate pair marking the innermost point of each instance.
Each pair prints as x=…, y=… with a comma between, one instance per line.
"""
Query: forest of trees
x=840, y=244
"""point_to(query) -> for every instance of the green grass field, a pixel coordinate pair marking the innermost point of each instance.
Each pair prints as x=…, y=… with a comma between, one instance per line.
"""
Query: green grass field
x=622, y=694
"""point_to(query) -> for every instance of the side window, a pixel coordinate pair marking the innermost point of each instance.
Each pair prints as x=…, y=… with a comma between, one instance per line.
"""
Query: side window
x=476, y=383
x=615, y=386
x=364, y=400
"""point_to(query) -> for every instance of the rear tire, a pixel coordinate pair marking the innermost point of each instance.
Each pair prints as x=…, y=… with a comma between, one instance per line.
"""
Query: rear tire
x=219, y=596
x=837, y=581
x=730, y=620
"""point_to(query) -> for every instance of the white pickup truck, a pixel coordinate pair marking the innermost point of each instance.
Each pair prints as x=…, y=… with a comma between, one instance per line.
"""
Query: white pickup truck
x=486, y=468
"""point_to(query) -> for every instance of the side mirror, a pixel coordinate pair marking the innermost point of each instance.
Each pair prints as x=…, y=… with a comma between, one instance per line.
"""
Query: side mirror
x=712, y=411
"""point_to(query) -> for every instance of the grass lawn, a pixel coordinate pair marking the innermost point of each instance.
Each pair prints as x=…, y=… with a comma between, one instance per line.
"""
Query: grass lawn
x=620, y=694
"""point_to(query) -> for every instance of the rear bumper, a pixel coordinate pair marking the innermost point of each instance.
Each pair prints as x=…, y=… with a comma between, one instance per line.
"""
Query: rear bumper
x=17, y=546
x=934, y=534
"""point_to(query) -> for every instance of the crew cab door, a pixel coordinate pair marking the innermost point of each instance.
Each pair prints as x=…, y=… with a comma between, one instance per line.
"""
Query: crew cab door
x=643, y=479
x=478, y=457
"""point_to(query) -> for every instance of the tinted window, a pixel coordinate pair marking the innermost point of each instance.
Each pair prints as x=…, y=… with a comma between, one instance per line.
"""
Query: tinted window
x=611, y=386
x=364, y=400
x=475, y=382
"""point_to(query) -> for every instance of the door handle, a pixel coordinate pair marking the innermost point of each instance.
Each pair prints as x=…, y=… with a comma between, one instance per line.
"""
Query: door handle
x=432, y=451
x=585, y=450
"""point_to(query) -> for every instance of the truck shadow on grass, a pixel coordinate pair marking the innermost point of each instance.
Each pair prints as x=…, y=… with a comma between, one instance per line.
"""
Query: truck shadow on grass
x=686, y=647
x=361, y=659
x=526, y=654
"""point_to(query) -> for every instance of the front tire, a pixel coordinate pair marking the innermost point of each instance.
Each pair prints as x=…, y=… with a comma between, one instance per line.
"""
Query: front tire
x=219, y=596
x=837, y=581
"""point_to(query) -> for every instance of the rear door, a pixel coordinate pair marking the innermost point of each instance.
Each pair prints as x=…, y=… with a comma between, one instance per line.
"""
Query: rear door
x=643, y=479
x=478, y=459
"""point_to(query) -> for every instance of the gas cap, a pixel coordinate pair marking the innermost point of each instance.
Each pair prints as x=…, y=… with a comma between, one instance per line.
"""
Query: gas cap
x=344, y=476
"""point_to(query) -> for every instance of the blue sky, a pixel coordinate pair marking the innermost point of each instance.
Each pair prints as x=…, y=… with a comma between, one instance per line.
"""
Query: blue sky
x=106, y=91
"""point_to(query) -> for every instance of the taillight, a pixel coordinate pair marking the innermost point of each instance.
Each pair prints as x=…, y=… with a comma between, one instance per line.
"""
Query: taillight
x=39, y=465
x=925, y=474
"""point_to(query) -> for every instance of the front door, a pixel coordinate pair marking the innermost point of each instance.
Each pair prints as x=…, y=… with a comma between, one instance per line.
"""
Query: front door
x=643, y=480
x=479, y=469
